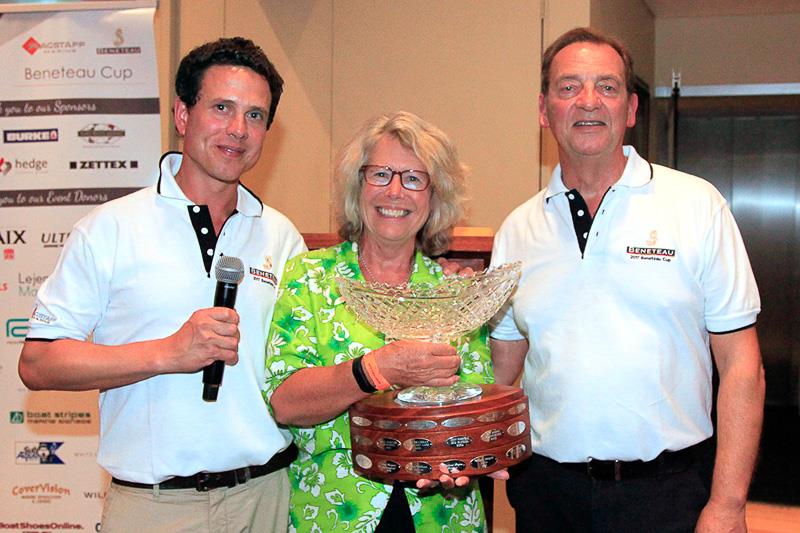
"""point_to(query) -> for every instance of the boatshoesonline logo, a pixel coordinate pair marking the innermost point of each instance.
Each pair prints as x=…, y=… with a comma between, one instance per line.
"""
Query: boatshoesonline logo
x=38, y=453
x=30, y=136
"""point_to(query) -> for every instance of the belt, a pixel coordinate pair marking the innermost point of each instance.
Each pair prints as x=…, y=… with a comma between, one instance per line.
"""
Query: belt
x=667, y=462
x=205, y=481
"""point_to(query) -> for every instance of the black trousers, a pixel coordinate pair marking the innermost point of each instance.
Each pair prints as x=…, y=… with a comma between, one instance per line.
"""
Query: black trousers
x=550, y=498
x=397, y=517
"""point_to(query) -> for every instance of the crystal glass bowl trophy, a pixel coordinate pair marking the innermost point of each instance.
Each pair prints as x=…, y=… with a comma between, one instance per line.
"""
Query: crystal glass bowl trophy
x=473, y=429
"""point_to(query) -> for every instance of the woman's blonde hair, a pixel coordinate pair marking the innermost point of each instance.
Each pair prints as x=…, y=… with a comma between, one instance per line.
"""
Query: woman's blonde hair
x=434, y=149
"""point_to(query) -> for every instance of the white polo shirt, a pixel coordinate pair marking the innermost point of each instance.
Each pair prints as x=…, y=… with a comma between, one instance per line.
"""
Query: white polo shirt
x=133, y=269
x=619, y=364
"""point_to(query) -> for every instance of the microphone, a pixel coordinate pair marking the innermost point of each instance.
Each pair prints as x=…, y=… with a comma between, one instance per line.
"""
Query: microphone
x=229, y=272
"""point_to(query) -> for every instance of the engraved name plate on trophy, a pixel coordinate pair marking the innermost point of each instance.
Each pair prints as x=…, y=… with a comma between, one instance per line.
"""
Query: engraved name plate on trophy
x=473, y=429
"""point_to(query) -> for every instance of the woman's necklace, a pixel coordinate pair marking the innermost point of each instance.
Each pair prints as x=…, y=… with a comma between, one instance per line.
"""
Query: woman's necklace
x=362, y=263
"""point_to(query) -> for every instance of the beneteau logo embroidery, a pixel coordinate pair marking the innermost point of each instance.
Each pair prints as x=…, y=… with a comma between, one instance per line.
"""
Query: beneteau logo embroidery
x=650, y=254
x=263, y=276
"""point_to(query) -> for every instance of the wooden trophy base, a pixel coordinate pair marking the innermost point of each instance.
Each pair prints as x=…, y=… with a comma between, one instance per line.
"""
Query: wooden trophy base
x=394, y=441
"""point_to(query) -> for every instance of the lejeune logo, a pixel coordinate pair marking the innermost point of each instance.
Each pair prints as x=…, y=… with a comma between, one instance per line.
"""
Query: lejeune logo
x=40, y=493
x=51, y=417
x=103, y=165
x=650, y=254
x=100, y=133
x=29, y=283
x=119, y=40
x=30, y=136
x=38, y=453
x=31, y=45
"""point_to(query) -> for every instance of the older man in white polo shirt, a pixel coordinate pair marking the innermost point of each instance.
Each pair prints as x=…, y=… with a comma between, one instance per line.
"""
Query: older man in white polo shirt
x=631, y=272
x=137, y=276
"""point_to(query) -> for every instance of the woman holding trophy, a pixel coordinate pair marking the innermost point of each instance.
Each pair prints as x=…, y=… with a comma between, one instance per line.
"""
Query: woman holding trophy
x=402, y=190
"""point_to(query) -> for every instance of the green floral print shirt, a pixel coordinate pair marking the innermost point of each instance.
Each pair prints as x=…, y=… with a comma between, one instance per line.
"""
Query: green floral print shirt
x=311, y=327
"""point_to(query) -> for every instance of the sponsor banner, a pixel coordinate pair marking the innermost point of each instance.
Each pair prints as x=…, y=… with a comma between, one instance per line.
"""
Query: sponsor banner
x=78, y=106
x=50, y=197
x=78, y=109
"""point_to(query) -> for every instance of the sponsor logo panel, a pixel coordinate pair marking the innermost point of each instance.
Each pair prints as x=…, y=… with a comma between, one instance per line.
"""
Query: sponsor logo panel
x=30, y=136
x=100, y=133
x=119, y=40
x=32, y=45
x=50, y=417
x=79, y=106
x=40, y=492
x=38, y=453
x=95, y=164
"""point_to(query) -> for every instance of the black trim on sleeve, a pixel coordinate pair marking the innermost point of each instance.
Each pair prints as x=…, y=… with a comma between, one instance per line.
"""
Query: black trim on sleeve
x=39, y=339
x=733, y=330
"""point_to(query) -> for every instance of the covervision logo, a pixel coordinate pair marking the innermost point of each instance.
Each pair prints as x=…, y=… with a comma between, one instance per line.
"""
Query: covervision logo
x=30, y=136
x=103, y=165
x=119, y=40
x=38, y=453
x=650, y=254
x=99, y=133
x=264, y=277
x=40, y=493
x=32, y=46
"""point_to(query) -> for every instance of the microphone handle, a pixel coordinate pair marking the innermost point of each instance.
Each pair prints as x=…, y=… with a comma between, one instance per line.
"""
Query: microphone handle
x=225, y=296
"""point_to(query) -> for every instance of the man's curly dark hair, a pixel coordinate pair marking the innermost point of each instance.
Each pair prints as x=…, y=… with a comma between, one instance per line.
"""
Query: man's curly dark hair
x=236, y=51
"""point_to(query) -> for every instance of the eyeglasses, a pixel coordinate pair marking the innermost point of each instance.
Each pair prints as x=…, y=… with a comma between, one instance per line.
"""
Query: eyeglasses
x=381, y=176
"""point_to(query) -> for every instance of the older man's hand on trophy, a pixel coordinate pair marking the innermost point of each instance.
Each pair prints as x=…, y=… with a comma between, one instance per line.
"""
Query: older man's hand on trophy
x=447, y=482
x=408, y=363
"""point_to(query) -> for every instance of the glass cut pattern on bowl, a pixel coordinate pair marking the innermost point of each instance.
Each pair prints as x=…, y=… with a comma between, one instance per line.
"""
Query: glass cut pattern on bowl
x=432, y=313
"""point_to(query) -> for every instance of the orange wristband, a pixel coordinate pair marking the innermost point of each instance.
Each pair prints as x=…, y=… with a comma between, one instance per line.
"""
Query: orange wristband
x=373, y=372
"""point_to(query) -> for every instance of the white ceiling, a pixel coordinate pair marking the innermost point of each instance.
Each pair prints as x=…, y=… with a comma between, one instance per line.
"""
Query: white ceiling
x=716, y=8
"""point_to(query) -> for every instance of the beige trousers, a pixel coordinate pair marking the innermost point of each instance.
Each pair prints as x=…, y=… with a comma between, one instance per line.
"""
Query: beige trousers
x=261, y=504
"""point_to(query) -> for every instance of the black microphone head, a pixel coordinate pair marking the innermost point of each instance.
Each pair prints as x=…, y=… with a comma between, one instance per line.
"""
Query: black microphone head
x=229, y=269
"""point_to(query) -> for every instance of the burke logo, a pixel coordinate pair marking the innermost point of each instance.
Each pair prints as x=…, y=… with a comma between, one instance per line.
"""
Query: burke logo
x=41, y=453
x=30, y=136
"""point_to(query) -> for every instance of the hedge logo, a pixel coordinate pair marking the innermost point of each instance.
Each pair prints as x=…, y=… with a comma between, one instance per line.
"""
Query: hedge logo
x=38, y=453
x=16, y=417
x=16, y=328
x=5, y=166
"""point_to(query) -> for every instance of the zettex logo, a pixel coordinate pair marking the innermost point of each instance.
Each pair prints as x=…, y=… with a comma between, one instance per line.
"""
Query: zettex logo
x=38, y=453
x=30, y=136
x=103, y=165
